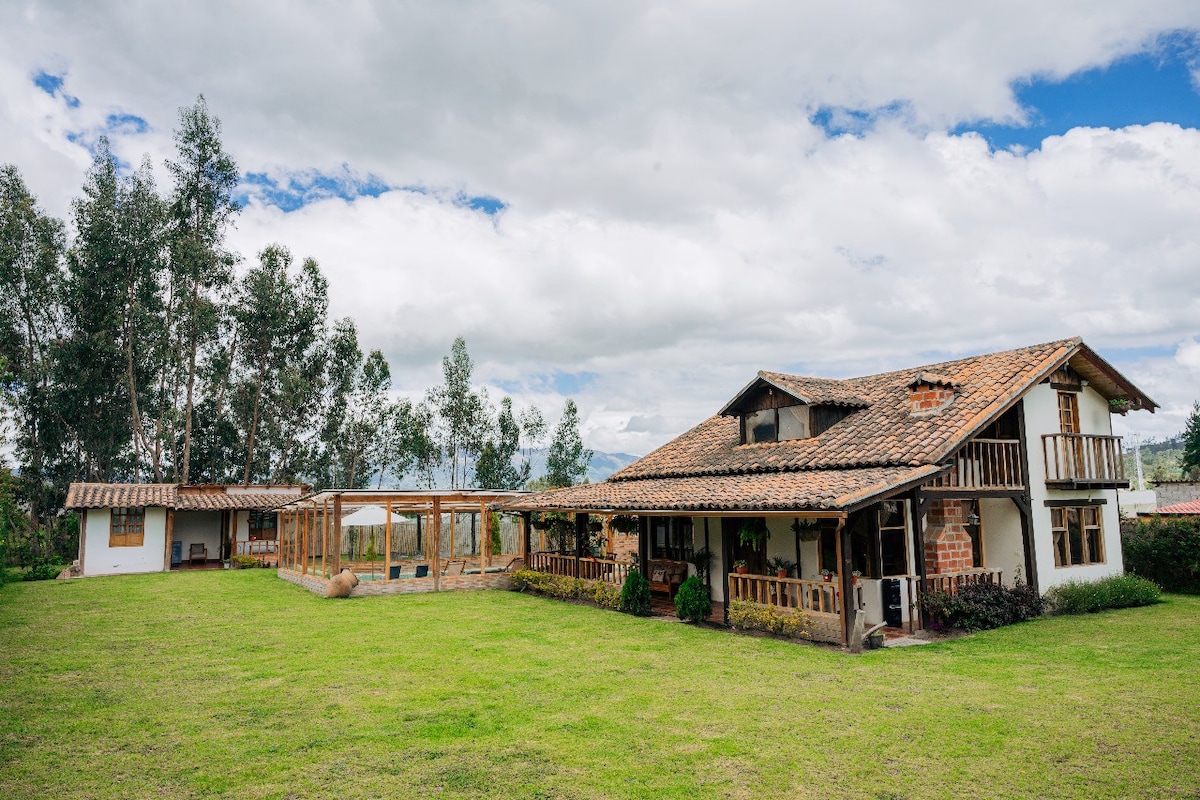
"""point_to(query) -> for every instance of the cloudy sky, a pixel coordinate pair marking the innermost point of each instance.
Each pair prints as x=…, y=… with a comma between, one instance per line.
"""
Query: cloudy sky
x=640, y=205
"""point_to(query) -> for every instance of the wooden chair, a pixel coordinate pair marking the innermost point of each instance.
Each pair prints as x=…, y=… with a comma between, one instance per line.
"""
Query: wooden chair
x=197, y=552
x=454, y=567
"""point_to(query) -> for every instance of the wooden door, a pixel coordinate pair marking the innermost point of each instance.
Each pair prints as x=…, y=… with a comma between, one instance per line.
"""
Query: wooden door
x=756, y=560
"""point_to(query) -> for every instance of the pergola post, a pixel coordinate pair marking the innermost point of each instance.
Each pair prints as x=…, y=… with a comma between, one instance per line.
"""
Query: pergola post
x=524, y=525
x=387, y=542
x=337, y=533
x=485, y=524
x=436, y=544
x=325, y=539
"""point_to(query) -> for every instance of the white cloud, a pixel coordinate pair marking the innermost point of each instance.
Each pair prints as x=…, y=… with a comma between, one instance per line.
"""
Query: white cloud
x=675, y=222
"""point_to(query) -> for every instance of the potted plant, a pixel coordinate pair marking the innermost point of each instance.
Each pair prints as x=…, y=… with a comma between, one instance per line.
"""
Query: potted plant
x=1119, y=405
x=754, y=533
x=827, y=575
x=623, y=523
x=854, y=576
x=808, y=530
x=741, y=567
x=781, y=566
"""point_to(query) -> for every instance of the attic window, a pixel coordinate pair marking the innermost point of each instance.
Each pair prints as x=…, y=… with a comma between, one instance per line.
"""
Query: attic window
x=777, y=424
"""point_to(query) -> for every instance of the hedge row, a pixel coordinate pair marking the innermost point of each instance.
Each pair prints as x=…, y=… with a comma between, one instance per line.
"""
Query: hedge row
x=1166, y=550
x=565, y=587
x=1119, y=591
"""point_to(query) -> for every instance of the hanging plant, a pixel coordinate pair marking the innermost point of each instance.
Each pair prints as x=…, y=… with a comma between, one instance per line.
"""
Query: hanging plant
x=809, y=530
x=624, y=523
x=754, y=533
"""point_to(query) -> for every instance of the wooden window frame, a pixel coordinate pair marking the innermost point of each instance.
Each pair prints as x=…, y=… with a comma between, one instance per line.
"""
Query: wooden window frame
x=808, y=424
x=255, y=528
x=126, y=526
x=902, y=528
x=1068, y=412
x=679, y=538
x=1091, y=526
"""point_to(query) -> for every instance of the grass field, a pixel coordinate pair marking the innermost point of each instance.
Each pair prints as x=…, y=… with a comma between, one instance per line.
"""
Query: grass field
x=238, y=684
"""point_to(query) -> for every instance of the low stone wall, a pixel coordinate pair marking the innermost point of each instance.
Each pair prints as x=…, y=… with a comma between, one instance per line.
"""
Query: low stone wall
x=449, y=583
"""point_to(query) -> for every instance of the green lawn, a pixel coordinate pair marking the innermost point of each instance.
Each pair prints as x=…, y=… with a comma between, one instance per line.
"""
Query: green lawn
x=236, y=683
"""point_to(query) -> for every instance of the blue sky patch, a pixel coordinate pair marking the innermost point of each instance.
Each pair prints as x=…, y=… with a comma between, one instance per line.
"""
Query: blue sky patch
x=1155, y=85
x=301, y=188
x=486, y=203
x=842, y=120
x=563, y=383
x=54, y=85
x=125, y=124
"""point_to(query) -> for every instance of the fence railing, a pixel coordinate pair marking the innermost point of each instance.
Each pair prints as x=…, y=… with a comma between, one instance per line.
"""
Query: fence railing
x=1082, y=458
x=592, y=569
x=951, y=582
x=814, y=597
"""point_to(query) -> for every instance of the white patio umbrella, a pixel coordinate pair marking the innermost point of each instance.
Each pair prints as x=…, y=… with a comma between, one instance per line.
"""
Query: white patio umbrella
x=369, y=515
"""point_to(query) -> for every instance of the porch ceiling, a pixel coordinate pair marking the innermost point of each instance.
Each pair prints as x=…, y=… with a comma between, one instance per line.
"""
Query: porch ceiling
x=810, y=490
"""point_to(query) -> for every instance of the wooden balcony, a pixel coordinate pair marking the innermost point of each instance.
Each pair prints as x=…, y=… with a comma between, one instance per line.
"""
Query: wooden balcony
x=985, y=465
x=1083, y=461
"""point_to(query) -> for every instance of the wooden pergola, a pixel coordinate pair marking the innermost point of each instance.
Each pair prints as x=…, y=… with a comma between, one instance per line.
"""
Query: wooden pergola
x=312, y=533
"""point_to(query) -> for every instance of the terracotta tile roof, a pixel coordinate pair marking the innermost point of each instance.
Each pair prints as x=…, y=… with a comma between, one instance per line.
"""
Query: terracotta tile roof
x=1181, y=509
x=169, y=495
x=114, y=495
x=884, y=433
x=781, y=491
x=818, y=391
x=253, y=501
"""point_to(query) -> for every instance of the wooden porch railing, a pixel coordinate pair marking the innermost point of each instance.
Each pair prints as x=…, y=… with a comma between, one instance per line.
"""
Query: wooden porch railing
x=586, y=567
x=951, y=582
x=1083, y=459
x=985, y=464
x=814, y=597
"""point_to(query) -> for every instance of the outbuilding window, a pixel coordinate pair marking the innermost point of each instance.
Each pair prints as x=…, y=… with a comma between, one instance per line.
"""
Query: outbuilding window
x=777, y=424
x=127, y=527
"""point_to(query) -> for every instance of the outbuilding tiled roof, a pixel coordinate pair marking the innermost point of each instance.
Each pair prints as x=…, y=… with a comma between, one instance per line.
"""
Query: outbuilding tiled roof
x=780, y=491
x=168, y=495
x=117, y=495
x=1186, y=508
x=884, y=433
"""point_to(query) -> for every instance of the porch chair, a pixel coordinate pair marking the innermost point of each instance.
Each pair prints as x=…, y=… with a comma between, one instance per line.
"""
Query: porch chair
x=422, y=571
x=197, y=552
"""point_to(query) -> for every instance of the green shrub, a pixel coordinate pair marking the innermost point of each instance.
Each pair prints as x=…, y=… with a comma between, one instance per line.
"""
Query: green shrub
x=243, y=562
x=565, y=587
x=43, y=570
x=1118, y=591
x=745, y=615
x=635, y=594
x=981, y=606
x=692, y=603
x=1166, y=550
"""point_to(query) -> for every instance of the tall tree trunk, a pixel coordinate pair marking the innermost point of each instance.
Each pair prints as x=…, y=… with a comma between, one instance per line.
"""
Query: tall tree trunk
x=262, y=376
x=191, y=383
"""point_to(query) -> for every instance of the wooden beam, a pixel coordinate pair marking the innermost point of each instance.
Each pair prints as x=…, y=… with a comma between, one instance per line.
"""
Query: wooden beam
x=336, y=534
x=83, y=515
x=387, y=542
x=170, y=534
x=845, y=567
x=485, y=548
x=524, y=528
x=920, y=505
x=581, y=535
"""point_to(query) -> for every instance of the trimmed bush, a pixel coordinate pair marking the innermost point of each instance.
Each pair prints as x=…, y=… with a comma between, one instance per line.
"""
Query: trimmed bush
x=243, y=562
x=1166, y=550
x=982, y=606
x=635, y=594
x=43, y=571
x=1087, y=597
x=692, y=603
x=745, y=615
x=565, y=587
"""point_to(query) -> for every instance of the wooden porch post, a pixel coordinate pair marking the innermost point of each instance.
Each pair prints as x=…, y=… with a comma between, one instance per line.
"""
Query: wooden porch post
x=435, y=535
x=453, y=531
x=643, y=543
x=325, y=539
x=1024, y=505
x=845, y=567
x=920, y=506
x=170, y=534
x=581, y=532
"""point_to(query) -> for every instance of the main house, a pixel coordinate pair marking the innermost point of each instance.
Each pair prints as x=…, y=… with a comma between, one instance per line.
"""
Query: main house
x=999, y=468
x=155, y=527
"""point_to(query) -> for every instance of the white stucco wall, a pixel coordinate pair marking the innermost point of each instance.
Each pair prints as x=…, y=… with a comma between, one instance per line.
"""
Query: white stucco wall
x=1041, y=417
x=100, y=559
x=1003, y=548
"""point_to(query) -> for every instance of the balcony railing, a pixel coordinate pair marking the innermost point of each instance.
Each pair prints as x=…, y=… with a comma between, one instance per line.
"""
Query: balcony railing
x=985, y=464
x=1083, y=461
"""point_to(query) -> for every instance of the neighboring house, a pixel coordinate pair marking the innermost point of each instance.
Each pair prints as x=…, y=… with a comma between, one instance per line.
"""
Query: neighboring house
x=997, y=468
x=1172, y=492
x=154, y=527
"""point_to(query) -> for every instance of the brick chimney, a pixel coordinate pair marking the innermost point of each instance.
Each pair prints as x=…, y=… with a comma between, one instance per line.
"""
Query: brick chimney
x=930, y=394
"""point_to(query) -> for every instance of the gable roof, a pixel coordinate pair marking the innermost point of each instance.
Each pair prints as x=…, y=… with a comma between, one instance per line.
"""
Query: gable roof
x=182, y=498
x=884, y=432
x=880, y=448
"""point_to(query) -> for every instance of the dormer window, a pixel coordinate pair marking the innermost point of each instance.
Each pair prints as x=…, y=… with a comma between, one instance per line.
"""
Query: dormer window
x=777, y=424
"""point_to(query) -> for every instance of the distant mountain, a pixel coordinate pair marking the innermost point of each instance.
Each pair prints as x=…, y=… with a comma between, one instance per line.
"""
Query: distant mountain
x=601, y=466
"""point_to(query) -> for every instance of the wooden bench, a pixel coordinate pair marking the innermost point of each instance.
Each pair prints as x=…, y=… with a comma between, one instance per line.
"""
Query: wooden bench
x=671, y=573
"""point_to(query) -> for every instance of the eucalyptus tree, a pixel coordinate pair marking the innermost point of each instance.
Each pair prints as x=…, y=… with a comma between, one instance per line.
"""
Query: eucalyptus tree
x=367, y=412
x=567, y=462
x=496, y=467
x=202, y=208
x=462, y=413
x=32, y=244
x=406, y=443
x=279, y=320
x=1190, y=462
